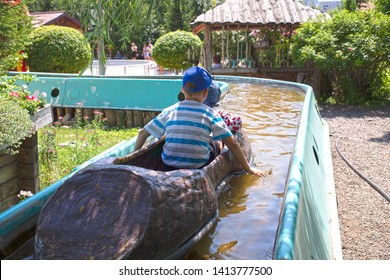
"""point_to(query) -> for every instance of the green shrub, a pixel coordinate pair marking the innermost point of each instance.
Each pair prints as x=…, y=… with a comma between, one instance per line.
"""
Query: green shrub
x=58, y=49
x=177, y=50
x=15, y=125
x=351, y=50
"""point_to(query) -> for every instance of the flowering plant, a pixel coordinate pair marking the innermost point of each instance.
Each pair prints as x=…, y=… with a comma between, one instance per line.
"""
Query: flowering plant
x=24, y=194
x=10, y=89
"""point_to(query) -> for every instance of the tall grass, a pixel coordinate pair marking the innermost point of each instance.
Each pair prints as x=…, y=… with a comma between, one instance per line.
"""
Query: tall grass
x=62, y=148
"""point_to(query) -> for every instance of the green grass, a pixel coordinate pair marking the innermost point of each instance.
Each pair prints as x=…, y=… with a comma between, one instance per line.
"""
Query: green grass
x=62, y=148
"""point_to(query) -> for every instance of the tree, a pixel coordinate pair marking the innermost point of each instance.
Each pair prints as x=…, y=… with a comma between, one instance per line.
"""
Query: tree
x=15, y=27
x=102, y=18
x=350, y=5
x=352, y=49
x=383, y=6
x=174, y=16
x=41, y=5
x=119, y=22
x=104, y=15
x=180, y=13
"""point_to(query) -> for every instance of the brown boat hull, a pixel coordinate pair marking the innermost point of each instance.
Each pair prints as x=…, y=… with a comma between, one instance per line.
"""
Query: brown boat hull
x=119, y=209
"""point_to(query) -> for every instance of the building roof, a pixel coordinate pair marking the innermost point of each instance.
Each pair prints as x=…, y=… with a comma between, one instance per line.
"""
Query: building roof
x=54, y=18
x=253, y=13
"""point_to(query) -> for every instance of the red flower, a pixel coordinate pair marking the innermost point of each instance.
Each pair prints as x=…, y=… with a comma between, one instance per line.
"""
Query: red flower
x=32, y=98
x=14, y=93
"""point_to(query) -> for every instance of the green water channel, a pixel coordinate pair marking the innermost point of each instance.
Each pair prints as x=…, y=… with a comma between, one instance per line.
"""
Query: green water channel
x=249, y=206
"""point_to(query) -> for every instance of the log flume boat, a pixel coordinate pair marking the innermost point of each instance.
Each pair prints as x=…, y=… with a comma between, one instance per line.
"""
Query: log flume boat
x=131, y=208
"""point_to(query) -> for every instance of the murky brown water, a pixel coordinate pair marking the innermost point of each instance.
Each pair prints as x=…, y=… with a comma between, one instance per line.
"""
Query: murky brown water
x=250, y=207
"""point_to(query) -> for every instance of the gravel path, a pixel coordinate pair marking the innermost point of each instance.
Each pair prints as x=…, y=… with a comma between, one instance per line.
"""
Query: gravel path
x=363, y=137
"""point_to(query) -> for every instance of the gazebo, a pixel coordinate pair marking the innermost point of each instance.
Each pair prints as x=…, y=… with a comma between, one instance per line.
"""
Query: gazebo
x=266, y=26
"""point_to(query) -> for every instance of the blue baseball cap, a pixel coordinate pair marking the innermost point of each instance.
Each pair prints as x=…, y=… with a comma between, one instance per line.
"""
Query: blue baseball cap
x=196, y=79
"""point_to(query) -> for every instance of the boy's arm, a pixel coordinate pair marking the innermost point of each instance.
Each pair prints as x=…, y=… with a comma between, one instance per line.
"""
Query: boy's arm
x=235, y=148
x=142, y=136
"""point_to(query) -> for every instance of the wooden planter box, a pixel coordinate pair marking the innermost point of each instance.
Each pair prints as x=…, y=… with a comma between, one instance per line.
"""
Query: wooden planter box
x=20, y=172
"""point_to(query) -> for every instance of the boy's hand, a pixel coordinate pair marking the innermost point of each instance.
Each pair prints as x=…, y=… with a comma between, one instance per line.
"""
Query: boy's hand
x=260, y=173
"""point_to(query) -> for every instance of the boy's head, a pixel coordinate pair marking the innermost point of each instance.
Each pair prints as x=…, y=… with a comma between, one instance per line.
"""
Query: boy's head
x=196, y=79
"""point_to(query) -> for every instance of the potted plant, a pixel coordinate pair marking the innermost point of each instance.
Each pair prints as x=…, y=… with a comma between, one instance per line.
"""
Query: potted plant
x=21, y=112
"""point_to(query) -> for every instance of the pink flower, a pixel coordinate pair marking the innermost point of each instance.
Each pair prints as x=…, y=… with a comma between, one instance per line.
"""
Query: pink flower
x=86, y=117
x=14, y=93
x=32, y=98
x=254, y=33
x=97, y=113
x=60, y=117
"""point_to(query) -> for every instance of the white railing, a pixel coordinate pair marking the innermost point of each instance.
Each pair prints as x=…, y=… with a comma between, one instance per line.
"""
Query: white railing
x=125, y=68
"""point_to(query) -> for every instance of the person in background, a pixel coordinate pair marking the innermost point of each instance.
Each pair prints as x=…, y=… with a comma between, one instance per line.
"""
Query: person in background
x=150, y=48
x=192, y=128
x=216, y=62
x=145, y=52
x=214, y=95
x=134, y=51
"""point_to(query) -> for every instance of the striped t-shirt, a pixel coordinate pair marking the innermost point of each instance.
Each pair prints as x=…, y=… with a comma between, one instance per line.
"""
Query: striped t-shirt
x=189, y=127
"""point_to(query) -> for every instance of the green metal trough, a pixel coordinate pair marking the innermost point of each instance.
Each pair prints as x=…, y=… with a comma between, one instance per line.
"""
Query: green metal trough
x=308, y=224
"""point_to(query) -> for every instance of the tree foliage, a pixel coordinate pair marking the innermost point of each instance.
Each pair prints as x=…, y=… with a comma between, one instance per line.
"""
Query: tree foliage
x=58, y=49
x=174, y=16
x=126, y=21
x=15, y=27
x=383, y=6
x=177, y=50
x=148, y=20
x=352, y=48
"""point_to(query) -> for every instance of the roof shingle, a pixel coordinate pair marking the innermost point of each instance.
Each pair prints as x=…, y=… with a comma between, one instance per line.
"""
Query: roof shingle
x=257, y=12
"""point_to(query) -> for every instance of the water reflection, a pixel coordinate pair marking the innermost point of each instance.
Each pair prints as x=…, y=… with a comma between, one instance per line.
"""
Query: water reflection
x=250, y=207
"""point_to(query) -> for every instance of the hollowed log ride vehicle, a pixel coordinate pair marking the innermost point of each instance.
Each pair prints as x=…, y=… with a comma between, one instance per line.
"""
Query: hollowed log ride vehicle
x=131, y=208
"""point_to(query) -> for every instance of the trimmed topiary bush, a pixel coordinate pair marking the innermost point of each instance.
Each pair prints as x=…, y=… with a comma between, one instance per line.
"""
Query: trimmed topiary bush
x=177, y=50
x=58, y=49
x=15, y=125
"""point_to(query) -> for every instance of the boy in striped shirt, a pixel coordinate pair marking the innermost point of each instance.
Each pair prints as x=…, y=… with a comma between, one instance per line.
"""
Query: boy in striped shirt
x=191, y=127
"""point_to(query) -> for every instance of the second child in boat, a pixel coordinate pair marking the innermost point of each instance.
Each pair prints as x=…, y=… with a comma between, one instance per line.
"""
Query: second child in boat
x=187, y=126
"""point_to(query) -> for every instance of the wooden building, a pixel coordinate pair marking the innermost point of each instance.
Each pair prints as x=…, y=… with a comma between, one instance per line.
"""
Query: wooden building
x=265, y=29
x=59, y=18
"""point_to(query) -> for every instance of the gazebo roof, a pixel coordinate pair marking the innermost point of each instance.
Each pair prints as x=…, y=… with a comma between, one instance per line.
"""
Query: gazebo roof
x=254, y=13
